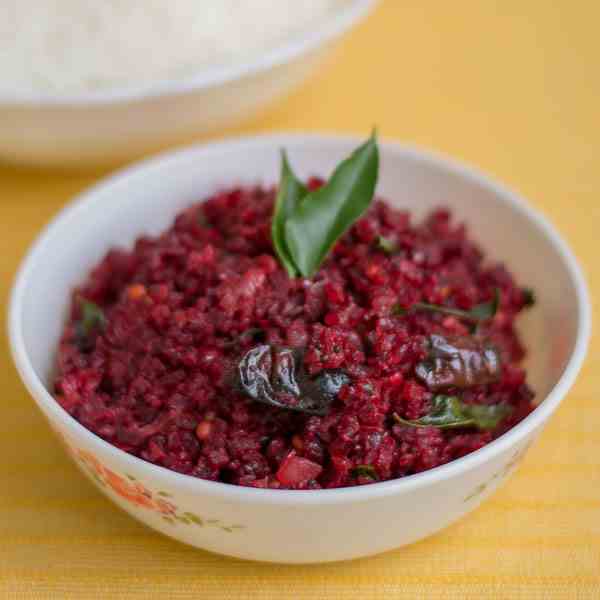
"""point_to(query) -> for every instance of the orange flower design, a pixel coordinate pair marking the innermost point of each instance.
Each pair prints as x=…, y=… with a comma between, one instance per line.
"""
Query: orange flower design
x=130, y=489
x=166, y=508
x=134, y=492
x=91, y=461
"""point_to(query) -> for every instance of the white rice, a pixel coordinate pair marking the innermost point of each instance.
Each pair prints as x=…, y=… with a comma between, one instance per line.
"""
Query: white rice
x=63, y=46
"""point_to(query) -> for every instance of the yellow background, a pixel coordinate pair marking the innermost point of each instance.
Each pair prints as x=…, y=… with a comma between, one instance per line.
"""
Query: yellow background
x=511, y=86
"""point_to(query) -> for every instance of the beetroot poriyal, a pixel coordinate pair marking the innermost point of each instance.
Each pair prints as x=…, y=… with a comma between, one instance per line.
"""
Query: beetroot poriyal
x=210, y=351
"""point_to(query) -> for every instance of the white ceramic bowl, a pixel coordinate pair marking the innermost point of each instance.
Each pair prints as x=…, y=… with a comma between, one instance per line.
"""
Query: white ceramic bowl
x=116, y=125
x=298, y=526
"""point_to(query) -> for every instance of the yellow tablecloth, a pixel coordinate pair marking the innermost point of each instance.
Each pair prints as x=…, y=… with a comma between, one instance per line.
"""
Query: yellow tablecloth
x=513, y=87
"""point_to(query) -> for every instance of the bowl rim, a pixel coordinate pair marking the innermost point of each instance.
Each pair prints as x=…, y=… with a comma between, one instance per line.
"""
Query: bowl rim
x=336, y=24
x=193, y=485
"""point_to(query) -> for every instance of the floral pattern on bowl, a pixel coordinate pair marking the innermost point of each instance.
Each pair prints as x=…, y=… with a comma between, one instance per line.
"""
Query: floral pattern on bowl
x=130, y=489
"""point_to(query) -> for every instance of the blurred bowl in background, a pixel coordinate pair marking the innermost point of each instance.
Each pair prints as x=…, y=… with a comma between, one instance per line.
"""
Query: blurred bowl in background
x=108, y=127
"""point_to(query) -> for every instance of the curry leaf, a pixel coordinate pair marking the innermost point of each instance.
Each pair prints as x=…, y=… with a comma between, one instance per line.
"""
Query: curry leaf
x=480, y=312
x=529, y=298
x=487, y=416
x=486, y=310
x=255, y=334
x=91, y=319
x=448, y=412
x=365, y=471
x=290, y=193
x=325, y=214
x=386, y=245
x=92, y=316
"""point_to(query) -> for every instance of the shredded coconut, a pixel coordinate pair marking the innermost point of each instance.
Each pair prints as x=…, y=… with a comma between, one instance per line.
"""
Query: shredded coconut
x=62, y=46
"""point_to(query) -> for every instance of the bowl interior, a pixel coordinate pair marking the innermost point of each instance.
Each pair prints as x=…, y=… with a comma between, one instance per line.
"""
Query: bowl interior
x=145, y=199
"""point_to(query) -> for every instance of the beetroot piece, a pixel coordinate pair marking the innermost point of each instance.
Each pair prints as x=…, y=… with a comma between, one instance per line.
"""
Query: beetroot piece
x=296, y=471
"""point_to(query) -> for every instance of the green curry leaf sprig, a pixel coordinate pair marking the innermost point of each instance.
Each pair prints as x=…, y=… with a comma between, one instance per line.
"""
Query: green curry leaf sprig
x=307, y=224
x=478, y=314
x=449, y=412
x=366, y=471
x=386, y=245
x=91, y=320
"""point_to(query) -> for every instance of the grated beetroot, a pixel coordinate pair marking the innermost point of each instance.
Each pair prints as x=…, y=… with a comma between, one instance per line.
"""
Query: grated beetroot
x=156, y=381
